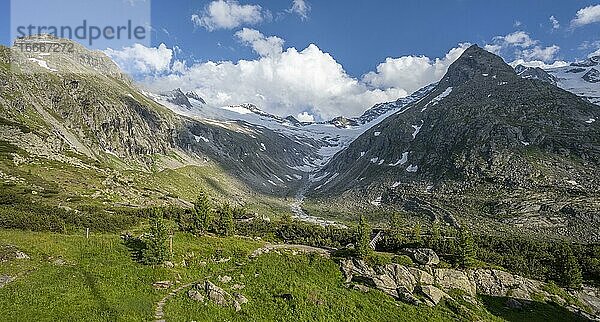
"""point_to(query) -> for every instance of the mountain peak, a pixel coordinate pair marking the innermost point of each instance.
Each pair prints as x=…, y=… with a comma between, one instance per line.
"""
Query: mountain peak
x=476, y=62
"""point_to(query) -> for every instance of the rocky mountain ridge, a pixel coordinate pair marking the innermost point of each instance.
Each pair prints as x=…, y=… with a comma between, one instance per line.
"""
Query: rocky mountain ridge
x=483, y=129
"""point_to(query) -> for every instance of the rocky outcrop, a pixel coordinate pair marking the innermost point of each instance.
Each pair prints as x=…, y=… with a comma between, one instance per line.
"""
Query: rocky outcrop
x=590, y=297
x=450, y=279
x=494, y=282
x=428, y=285
x=209, y=291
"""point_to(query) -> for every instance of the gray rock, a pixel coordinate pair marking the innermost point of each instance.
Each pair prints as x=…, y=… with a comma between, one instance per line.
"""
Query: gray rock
x=423, y=256
x=20, y=255
x=224, y=279
x=434, y=294
x=589, y=296
x=217, y=294
x=237, y=306
x=238, y=286
x=240, y=298
x=387, y=278
x=195, y=295
x=499, y=283
x=408, y=298
x=421, y=277
x=449, y=279
x=5, y=279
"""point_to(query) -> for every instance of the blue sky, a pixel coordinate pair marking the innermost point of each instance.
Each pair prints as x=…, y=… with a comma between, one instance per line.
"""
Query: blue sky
x=366, y=51
x=360, y=34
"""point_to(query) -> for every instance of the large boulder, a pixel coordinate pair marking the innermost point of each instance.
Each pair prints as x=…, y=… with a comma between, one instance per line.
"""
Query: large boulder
x=423, y=256
x=217, y=294
x=196, y=295
x=391, y=279
x=449, y=279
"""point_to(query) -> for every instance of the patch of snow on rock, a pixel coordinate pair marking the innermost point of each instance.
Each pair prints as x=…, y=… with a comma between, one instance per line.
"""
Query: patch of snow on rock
x=440, y=97
x=417, y=129
x=412, y=168
x=402, y=161
x=42, y=64
x=200, y=138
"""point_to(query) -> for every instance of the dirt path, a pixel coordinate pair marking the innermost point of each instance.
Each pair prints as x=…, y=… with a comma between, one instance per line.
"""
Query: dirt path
x=159, y=313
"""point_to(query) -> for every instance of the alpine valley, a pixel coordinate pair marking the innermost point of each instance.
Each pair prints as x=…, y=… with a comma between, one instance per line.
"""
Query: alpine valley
x=445, y=204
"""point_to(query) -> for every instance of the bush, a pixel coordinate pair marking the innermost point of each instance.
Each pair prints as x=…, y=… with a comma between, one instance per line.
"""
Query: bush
x=378, y=259
x=402, y=260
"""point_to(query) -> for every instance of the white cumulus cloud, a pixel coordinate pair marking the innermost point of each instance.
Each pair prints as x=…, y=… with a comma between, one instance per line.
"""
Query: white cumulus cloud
x=228, y=14
x=520, y=45
x=139, y=59
x=264, y=46
x=517, y=38
x=309, y=83
x=586, y=16
x=284, y=84
x=301, y=8
x=410, y=73
x=539, y=53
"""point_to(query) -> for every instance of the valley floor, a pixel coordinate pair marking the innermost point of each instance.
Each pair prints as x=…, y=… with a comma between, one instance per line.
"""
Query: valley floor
x=71, y=278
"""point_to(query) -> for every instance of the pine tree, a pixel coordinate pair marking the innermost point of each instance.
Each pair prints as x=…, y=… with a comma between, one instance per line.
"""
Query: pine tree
x=363, y=238
x=225, y=226
x=417, y=234
x=435, y=239
x=467, y=251
x=156, y=251
x=203, y=213
x=396, y=226
x=570, y=271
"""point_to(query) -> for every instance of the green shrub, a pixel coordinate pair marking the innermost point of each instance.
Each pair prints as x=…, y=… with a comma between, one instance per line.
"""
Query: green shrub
x=402, y=260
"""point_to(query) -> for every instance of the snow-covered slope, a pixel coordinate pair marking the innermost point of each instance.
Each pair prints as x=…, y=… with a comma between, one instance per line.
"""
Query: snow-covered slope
x=580, y=78
x=325, y=138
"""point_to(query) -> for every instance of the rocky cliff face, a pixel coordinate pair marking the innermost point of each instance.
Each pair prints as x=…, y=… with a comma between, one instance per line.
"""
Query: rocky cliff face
x=429, y=285
x=483, y=131
x=71, y=107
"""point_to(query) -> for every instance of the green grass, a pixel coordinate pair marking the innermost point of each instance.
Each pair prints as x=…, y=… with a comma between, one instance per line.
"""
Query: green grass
x=318, y=295
x=101, y=281
x=532, y=312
